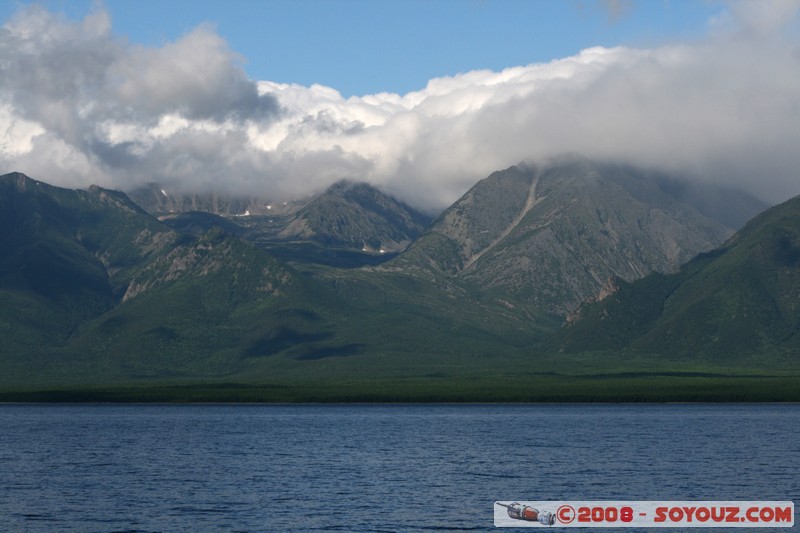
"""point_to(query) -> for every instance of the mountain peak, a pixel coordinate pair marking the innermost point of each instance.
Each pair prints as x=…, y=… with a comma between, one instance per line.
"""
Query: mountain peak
x=552, y=235
x=20, y=180
x=358, y=216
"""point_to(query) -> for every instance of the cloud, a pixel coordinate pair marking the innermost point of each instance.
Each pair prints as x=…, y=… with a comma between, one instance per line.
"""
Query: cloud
x=197, y=76
x=80, y=105
x=77, y=100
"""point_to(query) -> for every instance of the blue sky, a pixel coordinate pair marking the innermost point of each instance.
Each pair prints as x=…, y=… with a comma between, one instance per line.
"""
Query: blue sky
x=421, y=98
x=367, y=46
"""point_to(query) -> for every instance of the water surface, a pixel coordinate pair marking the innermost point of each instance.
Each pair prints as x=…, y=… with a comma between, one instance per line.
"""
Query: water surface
x=374, y=467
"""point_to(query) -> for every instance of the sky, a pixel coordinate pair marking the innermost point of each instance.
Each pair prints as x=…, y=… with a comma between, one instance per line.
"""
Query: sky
x=421, y=98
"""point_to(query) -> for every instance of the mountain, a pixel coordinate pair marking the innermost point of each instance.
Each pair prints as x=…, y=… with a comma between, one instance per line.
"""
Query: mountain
x=736, y=303
x=348, y=225
x=67, y=255
x=94, y=290
x=357, y=216
x=98, y=295
x=91, y=283
x=551, y=236
x=197, y=310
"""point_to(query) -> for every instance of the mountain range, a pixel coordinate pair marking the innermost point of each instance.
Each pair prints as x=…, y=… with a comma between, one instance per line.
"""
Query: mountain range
x=353, y=294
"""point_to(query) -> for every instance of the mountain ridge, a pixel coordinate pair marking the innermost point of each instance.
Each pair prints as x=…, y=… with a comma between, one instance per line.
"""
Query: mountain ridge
x=124, y=298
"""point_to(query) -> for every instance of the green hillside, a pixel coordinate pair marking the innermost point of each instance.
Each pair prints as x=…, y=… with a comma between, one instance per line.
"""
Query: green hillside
x=96, y=291
x=735, y=306
x=67, y=256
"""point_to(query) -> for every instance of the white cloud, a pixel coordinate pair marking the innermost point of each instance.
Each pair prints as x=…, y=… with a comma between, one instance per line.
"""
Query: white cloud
x=16, y=135
x=78, y=103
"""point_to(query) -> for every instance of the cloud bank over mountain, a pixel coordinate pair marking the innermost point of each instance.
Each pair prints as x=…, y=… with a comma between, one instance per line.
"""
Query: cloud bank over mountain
x=81, y=105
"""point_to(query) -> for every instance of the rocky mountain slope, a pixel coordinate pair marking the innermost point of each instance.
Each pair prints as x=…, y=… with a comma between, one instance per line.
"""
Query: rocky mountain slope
x=551, y=236
x=737, y=302
x=357, y=216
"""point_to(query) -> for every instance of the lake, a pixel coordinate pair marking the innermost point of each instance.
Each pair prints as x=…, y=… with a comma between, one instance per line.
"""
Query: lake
x=375, y=467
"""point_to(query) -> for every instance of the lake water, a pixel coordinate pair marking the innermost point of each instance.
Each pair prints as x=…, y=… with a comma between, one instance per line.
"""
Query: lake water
x=374, y=467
